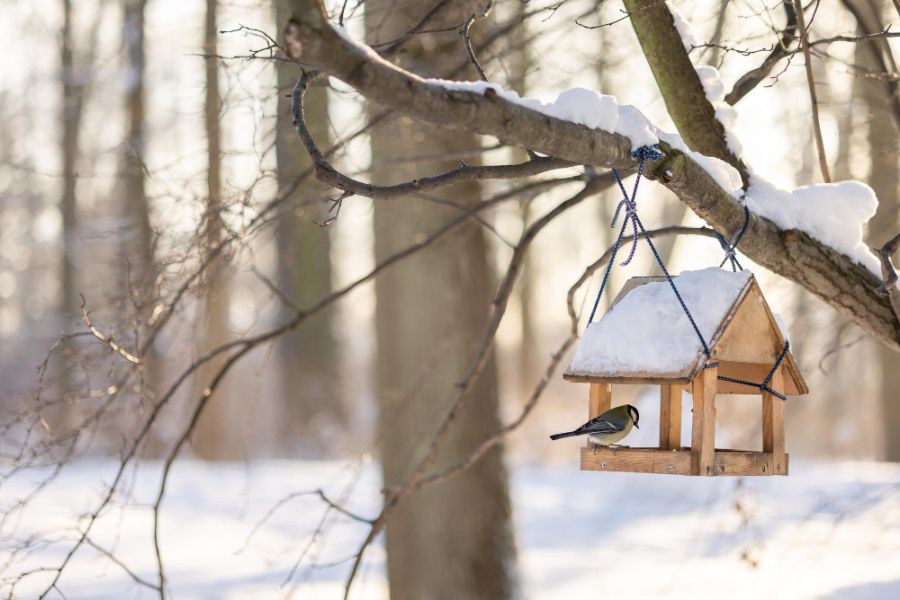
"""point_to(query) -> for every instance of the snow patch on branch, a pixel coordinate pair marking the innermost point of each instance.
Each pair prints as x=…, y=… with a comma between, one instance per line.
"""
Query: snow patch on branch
x=833, y=213
x=684, y=29
x=725, y=113
x=598, y=111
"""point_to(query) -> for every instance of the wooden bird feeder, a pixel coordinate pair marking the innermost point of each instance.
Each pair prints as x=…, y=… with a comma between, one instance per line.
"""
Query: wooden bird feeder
x=744, y=338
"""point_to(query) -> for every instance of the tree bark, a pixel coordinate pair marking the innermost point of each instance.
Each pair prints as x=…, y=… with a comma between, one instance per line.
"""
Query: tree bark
x=312, y=415
x=452, y=539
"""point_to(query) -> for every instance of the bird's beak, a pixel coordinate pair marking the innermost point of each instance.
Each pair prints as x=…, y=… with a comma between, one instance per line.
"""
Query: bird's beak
x=636, y=425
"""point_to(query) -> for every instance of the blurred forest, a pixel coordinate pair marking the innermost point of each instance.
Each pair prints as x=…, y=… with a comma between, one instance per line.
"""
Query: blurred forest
x=175, y=283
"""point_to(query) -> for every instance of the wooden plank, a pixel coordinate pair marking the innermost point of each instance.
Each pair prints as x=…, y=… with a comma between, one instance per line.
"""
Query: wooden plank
x=743, y=463
x=749, y=337
x=600, y=399
x=629, y=379
x=773, y=423
x=703, y=427
x=669, y=416
x=636, y=460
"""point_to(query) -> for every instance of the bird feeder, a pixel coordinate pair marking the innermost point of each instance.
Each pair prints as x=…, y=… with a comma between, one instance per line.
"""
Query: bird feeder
x=646, y=337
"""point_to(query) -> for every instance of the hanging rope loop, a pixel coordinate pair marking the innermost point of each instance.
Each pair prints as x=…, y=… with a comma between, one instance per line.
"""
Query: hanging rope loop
x=629, y=205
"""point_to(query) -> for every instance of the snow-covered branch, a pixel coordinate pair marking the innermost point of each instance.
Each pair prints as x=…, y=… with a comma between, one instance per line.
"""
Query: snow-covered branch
x=487, y=109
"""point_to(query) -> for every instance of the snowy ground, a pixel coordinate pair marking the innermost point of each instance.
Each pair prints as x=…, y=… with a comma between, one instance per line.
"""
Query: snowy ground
x=827, y=531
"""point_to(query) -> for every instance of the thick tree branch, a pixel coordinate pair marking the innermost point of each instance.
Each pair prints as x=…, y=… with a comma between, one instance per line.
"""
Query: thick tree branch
x=681, y=88
x=326, y=173
x=831, y=276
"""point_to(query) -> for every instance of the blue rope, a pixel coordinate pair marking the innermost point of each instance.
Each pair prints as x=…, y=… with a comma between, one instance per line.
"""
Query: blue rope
x=730, y=248
x=629, y=203
x=609, y=265
x=764, y=386
x=665, y=271
x=642, y=154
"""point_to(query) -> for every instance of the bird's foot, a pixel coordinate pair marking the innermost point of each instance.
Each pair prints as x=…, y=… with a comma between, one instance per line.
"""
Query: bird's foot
x=617, y=446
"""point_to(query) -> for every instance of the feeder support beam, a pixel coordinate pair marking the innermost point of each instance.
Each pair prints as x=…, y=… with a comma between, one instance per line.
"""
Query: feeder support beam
x=703, y=428
x=601, y=399
x=773, y=423
x=669, y=416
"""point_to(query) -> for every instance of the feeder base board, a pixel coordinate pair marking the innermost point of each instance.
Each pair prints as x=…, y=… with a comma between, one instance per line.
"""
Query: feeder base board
x=678, y=461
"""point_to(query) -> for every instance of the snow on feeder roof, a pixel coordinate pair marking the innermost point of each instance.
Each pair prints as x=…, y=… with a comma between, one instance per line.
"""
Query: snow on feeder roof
x=645, y=336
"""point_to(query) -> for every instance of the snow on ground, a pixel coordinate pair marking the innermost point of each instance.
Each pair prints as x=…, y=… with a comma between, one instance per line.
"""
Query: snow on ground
x=647, y=330
x=828, y=531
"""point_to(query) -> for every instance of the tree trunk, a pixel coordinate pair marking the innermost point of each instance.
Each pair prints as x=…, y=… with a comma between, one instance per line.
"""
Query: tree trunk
x=312, y=414
x=453, y=539
x=72, y=102
x=884, y=178
x=138, y=273
x=218, y=430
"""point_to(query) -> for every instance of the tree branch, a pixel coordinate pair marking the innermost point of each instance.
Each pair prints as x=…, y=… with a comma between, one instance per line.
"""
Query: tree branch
x=813, y=97
x=831, y=276
x=679, y=84
x=326, y=173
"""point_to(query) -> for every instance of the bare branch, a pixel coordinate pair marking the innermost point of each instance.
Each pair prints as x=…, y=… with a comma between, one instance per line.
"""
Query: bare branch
x=85, y=316
x=328, y=174
x=747, y=82
x=811, y=82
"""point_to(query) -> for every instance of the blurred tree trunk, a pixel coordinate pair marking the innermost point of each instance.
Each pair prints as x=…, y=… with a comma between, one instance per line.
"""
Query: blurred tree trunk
x=138, y=272
x=312, y=416
x=74, y=83
x=884, y=178
x=217, y=433
x=138, y=240
x=72, y=103
x=454, y=539
x=520, y=62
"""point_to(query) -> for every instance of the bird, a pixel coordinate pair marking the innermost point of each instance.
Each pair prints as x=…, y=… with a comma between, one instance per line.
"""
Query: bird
x=609, y=428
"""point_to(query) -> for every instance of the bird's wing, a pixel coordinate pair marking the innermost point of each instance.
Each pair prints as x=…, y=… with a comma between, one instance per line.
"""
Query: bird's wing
x=602, y=425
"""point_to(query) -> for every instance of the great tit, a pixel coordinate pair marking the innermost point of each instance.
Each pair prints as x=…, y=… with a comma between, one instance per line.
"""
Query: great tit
x=608, y=428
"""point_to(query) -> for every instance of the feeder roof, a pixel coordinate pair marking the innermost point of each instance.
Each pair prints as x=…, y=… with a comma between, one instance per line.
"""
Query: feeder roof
x=646, y=337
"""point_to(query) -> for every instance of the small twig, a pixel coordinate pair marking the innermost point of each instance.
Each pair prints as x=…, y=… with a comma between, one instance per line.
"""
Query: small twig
x=115, y=560
x=811, y=81
x=746, y=83
x=85, y=316
x=467, y=41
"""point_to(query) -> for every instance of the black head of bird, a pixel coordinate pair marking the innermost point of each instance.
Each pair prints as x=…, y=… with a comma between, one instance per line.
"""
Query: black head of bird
x=634, y=414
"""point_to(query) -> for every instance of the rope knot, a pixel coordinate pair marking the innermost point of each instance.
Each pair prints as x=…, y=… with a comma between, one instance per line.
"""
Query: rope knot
x=648, y=152
x=630, y=206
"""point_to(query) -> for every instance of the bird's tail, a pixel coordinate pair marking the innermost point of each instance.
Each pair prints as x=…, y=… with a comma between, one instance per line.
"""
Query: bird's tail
x=557, y=436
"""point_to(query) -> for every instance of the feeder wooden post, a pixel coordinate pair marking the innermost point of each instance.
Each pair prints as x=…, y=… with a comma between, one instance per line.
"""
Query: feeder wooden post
x=670, y=416
x=773, y=423
x=601, y=399
x=703, y=428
